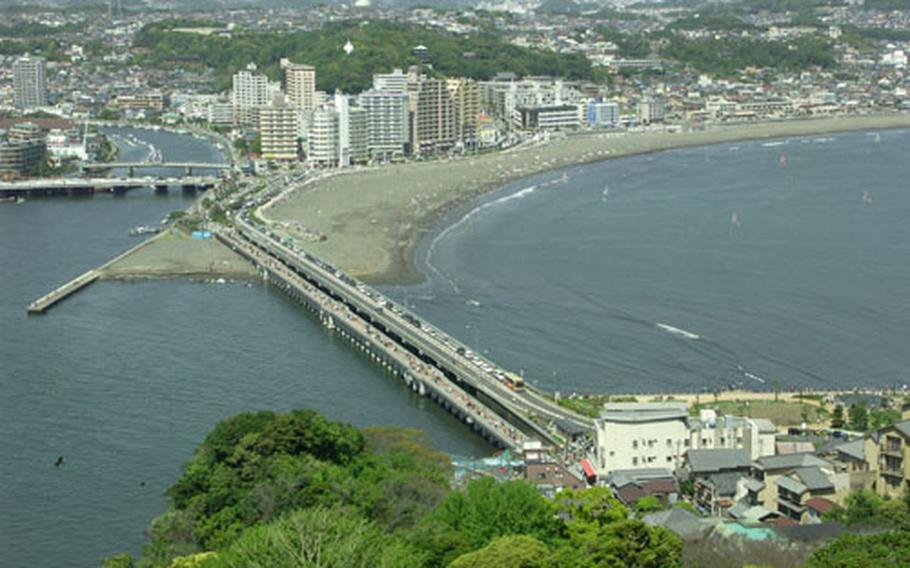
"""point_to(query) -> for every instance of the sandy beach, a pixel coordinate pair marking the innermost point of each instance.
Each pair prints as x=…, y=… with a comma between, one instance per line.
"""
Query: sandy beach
x=172, y=254
x=373, y=219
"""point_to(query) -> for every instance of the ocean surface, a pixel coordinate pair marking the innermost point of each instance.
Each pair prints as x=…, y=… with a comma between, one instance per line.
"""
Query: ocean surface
x=124, y=379
x=762, y=264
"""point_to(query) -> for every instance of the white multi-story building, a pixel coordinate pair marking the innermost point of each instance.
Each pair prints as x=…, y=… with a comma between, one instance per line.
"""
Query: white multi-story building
x=220, y=113
x=300, y=84
x=322, y=137
x=502, y=98
x=643, y=435
x=66, y=144
x=555, y=117
x=652, y=109
x=30, y=82
x=603, y=113
x=394, y=82
x=387, y=126
x=250, y=91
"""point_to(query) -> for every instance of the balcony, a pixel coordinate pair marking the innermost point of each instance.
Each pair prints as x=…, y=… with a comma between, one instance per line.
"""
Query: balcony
x=892, y=472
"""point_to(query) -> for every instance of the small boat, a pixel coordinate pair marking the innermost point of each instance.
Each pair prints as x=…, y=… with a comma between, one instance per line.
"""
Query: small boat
x=144, y=230
x=20, y=200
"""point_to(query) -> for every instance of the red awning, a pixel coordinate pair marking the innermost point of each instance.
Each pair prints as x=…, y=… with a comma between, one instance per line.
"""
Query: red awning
x=588, y=468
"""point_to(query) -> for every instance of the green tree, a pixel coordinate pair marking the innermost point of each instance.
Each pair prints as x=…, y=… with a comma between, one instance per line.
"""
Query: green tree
x=859, y=417
x=837, y=418
x=597, y=532
x=467, y=520
x=648, y=504
x=852, y=551
x=119, y=561
x=318, y=537
x=517, y=551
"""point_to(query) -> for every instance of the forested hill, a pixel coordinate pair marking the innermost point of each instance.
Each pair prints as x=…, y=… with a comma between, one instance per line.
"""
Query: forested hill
x=378, y=48
x=296, y=490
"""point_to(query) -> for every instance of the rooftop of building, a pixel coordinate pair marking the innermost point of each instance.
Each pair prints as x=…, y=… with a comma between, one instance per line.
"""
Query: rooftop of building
x=789, y=461
x=643, y=411
x=719, y=459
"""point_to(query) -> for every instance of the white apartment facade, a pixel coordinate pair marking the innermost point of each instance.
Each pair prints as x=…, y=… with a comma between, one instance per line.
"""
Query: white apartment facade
x=645, y=435
x=299, y=85
x=394, y=82
x=388, y=130
x=250, y=91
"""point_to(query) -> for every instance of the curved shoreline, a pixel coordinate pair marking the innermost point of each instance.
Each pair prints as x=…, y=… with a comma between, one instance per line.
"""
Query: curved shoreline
x=377, y=219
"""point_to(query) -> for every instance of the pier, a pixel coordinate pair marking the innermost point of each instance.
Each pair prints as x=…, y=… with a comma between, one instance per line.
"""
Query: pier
x=43, y=303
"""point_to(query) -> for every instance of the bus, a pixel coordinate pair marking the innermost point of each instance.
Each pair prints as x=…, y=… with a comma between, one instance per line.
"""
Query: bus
x=514, y=382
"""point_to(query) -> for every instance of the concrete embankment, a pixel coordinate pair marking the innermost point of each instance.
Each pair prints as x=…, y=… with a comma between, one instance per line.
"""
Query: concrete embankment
x=164, y=255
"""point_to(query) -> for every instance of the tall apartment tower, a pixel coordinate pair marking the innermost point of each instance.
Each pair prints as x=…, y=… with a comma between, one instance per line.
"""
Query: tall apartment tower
x=251, y=91
x=466, y=103
x=387, y=123
x=394, y=82
x=30, y=82
x=322, y=137
x=279, y=127
x=432, y=115
x=299, y=84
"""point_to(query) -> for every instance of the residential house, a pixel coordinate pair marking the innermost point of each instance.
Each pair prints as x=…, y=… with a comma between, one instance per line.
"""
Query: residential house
x=630, y=485
x=716, y=474
x=893, y=446
x=785, y=483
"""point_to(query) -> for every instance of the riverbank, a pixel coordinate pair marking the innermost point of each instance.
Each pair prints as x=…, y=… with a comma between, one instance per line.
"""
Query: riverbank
x=374, y=219
x=178, y=255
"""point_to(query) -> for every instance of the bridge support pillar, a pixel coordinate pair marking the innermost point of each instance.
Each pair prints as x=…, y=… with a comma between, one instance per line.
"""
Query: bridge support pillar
x=132, y=171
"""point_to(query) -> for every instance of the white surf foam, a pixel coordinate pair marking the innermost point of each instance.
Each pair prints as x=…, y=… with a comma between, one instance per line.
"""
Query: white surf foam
x=676, y=331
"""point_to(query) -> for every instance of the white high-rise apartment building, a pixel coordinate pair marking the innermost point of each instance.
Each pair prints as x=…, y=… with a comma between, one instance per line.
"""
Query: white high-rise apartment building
x=342, y=115
x=251, y=90
x=30, y=82
x=300, y=84
x=394, y=82
x=322, y=137
x=388, y=131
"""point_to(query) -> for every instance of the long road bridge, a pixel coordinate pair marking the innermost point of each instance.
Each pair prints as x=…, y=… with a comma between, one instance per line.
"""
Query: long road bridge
x=187, y=167
x=421, y=377
x=534, y=415
x=79, y=186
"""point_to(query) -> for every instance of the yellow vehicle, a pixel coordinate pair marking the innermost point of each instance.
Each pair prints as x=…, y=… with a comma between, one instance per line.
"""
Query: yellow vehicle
x=514, y=382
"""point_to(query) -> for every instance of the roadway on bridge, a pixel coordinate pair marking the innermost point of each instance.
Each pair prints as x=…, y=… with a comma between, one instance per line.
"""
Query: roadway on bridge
x=440, y=347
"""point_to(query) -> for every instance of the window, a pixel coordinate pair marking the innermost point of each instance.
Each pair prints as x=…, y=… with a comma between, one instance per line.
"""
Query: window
x=686, y=442
x=669, y=443
x=612, y=454
x=634, y=461
x=669, y=459
x=634, y=444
